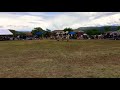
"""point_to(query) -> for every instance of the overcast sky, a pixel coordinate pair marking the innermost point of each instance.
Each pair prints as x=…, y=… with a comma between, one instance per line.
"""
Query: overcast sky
x=56, y=20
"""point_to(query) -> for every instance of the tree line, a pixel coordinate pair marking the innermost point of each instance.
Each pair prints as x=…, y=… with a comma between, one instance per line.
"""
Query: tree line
x=42, y=33
x=38, y=31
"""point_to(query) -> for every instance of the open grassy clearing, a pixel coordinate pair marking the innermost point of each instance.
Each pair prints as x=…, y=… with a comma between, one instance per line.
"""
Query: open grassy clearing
x=60, y=59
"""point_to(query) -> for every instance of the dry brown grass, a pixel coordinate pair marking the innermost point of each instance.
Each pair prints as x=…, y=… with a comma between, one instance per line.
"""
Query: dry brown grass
x=60, y=59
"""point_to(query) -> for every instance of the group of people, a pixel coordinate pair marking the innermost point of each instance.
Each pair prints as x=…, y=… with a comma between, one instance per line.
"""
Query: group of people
x=113, y=36
x=62, y=37
x=85, y=36
x=4, y=38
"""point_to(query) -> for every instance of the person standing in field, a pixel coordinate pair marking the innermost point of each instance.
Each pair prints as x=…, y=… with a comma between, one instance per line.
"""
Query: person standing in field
x=58, y=37
x=68, y=37
x=115, y=36
x=18, y=37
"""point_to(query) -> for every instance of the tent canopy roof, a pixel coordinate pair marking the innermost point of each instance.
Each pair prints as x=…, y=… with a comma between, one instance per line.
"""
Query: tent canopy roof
x=5, y=32
x=71, y=32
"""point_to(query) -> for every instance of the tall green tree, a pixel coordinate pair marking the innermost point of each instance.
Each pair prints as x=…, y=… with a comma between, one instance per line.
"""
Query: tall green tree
x=37, y=29
x=68, y=29
x=48, y=30
x=48, y=33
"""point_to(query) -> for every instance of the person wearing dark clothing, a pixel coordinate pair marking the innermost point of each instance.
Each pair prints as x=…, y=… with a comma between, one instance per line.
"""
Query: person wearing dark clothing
x=115, y=36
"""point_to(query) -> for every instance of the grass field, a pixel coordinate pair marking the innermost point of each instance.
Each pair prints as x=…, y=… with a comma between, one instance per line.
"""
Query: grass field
x=60, y=59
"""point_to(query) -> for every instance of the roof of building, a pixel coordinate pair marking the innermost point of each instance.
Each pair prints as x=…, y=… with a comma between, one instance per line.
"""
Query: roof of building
x=29, y=33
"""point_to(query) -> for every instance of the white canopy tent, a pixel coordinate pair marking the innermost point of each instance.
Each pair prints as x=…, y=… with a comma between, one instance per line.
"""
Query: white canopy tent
x=5, y=32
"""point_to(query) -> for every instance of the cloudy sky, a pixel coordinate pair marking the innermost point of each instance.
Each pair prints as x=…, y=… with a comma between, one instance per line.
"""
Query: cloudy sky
x=56, y=20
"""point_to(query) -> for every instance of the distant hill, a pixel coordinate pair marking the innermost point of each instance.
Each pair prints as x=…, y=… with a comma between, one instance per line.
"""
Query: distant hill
x=101, y=28
x=24, y=31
